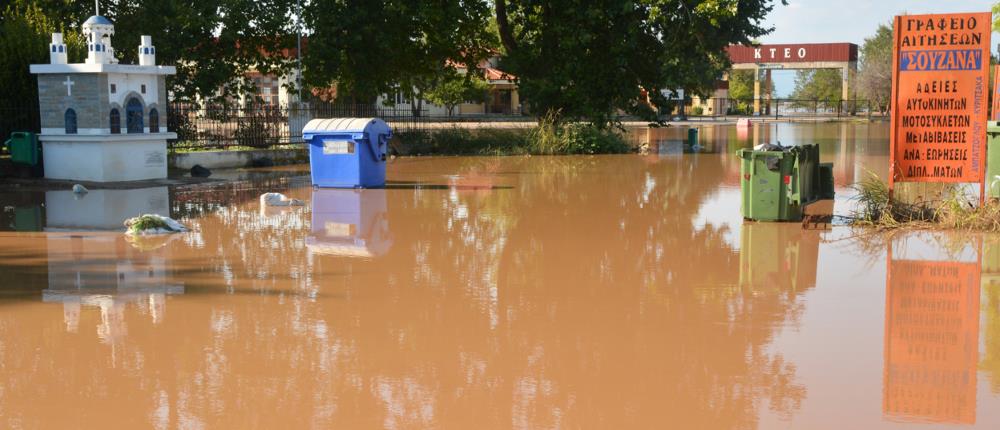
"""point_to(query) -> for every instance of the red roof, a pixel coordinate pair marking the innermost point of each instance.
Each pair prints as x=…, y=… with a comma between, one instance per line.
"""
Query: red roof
x=491, y=73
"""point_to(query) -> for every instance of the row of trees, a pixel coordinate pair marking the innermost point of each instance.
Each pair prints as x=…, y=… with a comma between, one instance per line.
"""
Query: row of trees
x=586, y=60
x=873, y=80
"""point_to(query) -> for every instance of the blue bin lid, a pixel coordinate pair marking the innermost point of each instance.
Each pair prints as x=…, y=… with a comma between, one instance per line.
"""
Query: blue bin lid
x=368, y=126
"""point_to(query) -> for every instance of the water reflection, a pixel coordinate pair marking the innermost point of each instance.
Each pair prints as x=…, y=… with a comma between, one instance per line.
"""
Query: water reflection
x=931, y=333
x=102, y=209
x=518, y=292
x=350, y=223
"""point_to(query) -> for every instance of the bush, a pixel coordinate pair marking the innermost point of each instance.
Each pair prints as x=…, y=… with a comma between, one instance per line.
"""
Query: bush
x=552, y=137
x=697, y=111
x=460, y=141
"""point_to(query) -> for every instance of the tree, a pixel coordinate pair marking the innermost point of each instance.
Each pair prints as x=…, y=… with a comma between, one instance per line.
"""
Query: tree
x=25, y=33
x=875, y=73
x=213, y=43
x=455, y=90
x=367, y=48
x=589, y=60
x=741, y=85
x=821, y=84
x=741, y=90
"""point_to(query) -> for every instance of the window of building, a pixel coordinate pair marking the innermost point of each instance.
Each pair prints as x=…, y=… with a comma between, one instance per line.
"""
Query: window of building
x=70, y=119
x=133, y=115
x=115, y=121
x=62, y=48
x=53, y=48
x=142, y=88
x=114, y=88
x=154, y=121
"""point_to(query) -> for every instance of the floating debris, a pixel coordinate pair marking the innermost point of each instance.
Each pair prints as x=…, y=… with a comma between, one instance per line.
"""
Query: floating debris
x=278, y=199
x=153, y=224
x=80, y=189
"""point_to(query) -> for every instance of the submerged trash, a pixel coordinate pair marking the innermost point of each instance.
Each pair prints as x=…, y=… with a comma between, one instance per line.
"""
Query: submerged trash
x=153, y=224
x=262, y=162
x=80, y=189
x=771, y=147
x=200, y=172
x=278, y=199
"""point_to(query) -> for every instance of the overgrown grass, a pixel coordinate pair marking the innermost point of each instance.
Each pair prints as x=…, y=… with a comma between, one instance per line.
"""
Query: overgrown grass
x=550, y=137
x=460, y=141
x=955, y=210
x=554, y=137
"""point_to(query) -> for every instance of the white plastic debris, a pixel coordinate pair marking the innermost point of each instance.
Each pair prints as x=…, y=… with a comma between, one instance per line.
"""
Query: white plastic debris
x=80, y=189
x=153, y=224
x=278, y=199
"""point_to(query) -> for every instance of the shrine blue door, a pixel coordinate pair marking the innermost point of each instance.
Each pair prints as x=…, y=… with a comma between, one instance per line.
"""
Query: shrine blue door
x=133, y=115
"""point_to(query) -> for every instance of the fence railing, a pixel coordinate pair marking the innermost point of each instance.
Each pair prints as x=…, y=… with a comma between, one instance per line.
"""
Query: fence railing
x=265, y=126
x=783, y=108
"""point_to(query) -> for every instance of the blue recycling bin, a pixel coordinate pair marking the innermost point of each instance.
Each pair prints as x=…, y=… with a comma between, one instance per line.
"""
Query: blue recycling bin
x=349, y=223
x=347, y=152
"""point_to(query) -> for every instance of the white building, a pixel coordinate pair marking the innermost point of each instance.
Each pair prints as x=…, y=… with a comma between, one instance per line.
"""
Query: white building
x=103, y=121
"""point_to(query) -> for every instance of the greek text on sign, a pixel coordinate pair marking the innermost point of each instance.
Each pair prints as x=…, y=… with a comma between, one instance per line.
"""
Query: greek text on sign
x=939, y=97
x=333, y=147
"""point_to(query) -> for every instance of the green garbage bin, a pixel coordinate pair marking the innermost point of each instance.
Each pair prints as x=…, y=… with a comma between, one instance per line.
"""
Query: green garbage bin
x=692, y=137
x=826, y=188
x=24, y=148
x=777, y=184
x=993, y=159
x=28, y=218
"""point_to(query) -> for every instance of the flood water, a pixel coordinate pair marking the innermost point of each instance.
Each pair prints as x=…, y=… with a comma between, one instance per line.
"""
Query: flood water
x=521, y=292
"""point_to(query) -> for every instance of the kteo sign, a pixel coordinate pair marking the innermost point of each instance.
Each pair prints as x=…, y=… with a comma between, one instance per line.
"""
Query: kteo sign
x=793, y=53
x=939, y=97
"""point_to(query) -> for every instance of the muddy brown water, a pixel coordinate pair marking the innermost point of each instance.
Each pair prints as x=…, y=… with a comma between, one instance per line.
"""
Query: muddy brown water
x=543, y=292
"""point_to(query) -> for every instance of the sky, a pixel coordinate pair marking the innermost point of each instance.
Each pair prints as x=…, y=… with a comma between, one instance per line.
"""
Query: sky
x=824, y=21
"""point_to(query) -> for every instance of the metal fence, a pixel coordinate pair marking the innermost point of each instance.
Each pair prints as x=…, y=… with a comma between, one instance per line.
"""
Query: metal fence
x=263, y=126
x=722, y=108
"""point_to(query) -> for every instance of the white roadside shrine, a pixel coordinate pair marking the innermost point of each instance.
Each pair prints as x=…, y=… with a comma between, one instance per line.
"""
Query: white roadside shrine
x=103, y=121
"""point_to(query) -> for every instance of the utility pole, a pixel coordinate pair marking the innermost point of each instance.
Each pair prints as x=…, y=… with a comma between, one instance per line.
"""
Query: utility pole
x=298, y=48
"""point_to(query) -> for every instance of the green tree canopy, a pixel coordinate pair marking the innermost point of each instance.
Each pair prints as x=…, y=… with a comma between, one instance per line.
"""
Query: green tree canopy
x=589, y=60
x=819, y=84
x=367, y=48
x=456, y=89
x=875, y=73
x=213, y=43
x=25, y=33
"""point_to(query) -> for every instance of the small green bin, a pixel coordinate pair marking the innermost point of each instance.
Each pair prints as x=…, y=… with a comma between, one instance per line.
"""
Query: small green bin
x=776, y=184
x=692, y=137
x=28, y=218
x=993, y=159
x=24, y=148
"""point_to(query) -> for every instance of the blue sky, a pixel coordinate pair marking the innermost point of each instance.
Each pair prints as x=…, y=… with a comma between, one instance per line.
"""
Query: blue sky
x=819, y=21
